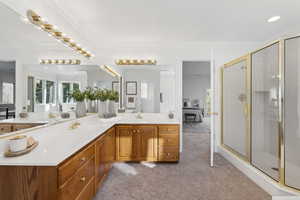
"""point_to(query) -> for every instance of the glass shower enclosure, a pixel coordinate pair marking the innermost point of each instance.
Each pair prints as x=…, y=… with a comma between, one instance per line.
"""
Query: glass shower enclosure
x=235, y=107
x=266, y=110
x=292, y=112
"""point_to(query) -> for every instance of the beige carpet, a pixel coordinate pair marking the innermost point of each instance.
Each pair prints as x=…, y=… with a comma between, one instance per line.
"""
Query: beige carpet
x=197, y=127
x=190, y=179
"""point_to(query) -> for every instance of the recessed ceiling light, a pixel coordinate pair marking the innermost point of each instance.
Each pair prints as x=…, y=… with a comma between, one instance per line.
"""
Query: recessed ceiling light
x=274, y=19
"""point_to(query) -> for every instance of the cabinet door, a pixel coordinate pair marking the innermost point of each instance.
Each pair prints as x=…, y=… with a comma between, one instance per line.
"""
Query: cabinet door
x=110, y=148
x=100, y=162
x=18, y=127
x=126, y=144
x=5, y=129
x=147, y=145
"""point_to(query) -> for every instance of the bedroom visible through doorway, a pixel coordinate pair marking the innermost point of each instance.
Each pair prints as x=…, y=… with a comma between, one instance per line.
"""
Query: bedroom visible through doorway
x=196, y=97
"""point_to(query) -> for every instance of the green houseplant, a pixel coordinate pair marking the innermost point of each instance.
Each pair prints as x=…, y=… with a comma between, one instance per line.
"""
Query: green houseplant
x=79, y=97
x=113, y=97
x=90, y=94
x=102, y=96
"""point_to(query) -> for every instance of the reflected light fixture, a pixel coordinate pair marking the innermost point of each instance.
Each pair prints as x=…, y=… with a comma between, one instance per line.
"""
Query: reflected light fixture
x=110, y=71
x=273, y=19
x=60, y=61
x=53, y=31
x=135, y=62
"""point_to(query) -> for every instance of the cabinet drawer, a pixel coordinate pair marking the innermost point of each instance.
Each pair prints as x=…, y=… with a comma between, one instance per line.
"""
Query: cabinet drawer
x=72, y=165
x=21, y=127
x=73, y=187
x=168, y=156
x=168, y=129
x=168, y=149
x=88, y=192
x=168, y=140
x=5, y=129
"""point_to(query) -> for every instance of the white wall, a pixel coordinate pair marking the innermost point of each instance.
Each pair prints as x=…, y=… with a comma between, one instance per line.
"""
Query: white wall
x=97, y=78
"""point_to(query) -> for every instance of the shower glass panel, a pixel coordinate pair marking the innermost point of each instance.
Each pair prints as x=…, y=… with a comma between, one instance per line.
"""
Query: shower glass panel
x=265, y=110
x=234, y=135
x=292, y=112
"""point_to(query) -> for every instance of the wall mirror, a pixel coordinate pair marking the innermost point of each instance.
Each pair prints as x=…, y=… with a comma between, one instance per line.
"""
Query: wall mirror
x=147, y=88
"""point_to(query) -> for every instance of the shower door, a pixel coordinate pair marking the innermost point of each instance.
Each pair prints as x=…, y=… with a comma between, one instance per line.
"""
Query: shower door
x=265, y=110
x=292, y=112
x=235, y=106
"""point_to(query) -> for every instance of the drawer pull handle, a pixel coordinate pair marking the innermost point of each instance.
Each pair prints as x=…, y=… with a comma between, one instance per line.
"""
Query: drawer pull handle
x=83, y=159
x=82, y=179
x=168, y=154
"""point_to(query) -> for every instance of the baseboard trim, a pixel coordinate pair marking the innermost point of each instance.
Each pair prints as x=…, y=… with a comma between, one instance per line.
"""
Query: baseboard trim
x=262, y=180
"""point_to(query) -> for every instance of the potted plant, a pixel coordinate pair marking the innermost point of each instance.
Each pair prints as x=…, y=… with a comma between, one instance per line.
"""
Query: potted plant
x=101, y=96
x=79, y=97
x=113, y=98
x=90, y=94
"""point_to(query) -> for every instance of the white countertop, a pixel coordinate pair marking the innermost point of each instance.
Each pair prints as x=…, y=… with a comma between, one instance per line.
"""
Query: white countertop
x=58, y=142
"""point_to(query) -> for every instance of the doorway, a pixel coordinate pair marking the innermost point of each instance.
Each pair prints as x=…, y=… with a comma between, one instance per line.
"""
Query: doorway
x=196, y=97
x=198, y=109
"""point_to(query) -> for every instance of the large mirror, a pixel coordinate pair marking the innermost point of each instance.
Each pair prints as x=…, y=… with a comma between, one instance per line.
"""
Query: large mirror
x=50, y=91
x=26, y=85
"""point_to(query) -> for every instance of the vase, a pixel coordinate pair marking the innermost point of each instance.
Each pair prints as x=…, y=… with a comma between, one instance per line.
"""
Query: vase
x=92, y=107
x=102, y=108
x=116, y=107
x=111, y=107
x=80, y=109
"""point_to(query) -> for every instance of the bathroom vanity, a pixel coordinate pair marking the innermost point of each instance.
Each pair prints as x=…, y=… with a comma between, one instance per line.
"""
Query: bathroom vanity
x=72, y=163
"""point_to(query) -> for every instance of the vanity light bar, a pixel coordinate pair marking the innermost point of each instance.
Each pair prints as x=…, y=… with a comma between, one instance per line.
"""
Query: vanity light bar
x=52, y=31
x=110, y=71
x=135, y=62
x=60, y=62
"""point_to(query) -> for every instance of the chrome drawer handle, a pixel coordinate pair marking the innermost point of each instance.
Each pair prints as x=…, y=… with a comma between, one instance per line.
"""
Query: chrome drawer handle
x=82, y=179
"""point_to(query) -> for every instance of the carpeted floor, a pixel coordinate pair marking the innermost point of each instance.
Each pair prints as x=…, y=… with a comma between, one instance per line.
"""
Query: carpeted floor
x=190, y=179
x=203, y=127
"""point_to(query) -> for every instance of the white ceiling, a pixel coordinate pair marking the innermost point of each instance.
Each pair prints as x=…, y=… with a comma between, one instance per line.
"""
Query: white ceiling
x=107, y=23
x=111, y=21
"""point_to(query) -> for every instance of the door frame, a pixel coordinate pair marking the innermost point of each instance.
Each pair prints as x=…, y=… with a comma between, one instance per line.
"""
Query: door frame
x=213, y=112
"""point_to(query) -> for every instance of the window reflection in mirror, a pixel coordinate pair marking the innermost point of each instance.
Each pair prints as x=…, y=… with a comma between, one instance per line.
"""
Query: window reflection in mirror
x=7, y=89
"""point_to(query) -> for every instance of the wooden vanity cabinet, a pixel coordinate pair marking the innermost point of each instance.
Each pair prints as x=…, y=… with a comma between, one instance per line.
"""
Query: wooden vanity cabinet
x=5, y=128
x=81, y=175
x=110, y=148
x=168, y=143
x=105, y=155
x=11, y=127
x=136, y=143
x=126, y=144
x=99, y=162
x=147, y=143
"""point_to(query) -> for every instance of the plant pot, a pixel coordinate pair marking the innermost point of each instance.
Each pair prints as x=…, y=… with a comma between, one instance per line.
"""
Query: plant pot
x=111, y=107
x=116, y=107
x=80, y=109
x=92, y=106
x=102, y=108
